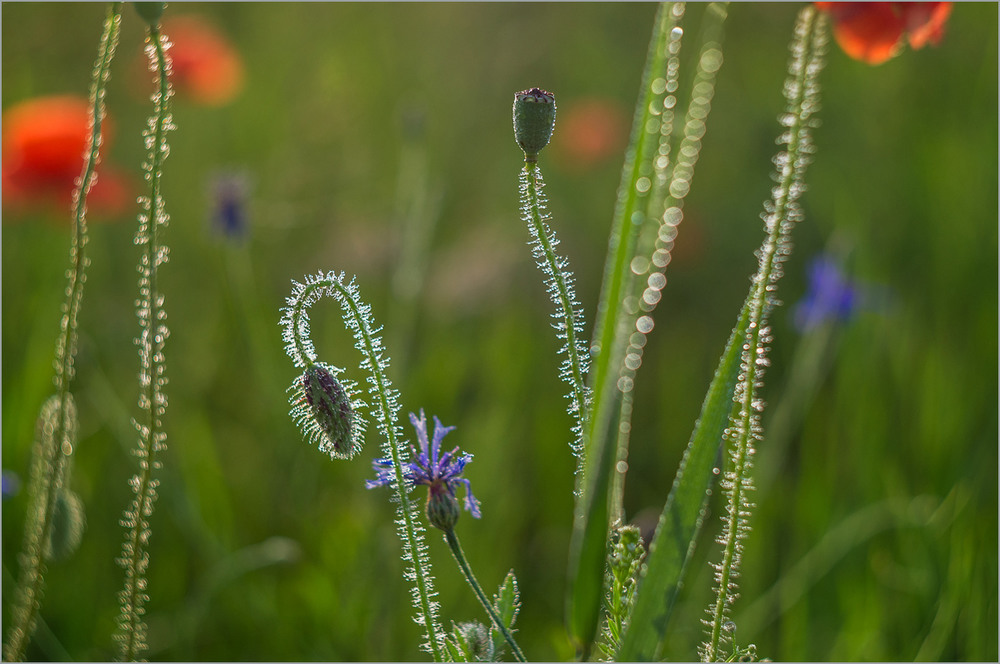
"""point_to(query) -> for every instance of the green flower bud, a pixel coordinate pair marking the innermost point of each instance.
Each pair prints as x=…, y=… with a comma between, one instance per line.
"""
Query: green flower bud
x=68, y=523
x=442, y=508
x=329, y=408
x=534, y=120
x=473, y=639
x=151, y=12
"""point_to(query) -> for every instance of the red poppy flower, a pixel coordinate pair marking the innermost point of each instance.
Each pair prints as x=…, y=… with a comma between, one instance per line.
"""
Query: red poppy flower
x=44, y=141
x=589, y=131
x=206, y=68
x=873, y=31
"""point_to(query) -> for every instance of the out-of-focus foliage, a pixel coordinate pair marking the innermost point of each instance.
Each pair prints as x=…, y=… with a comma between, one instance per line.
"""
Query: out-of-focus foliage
x=354, y=124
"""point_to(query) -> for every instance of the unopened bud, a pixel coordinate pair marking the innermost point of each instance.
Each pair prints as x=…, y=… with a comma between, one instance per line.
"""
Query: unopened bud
x=66, y=529
x=534, y=120
x=329, y=409
x=151, y=12
x=442, y=508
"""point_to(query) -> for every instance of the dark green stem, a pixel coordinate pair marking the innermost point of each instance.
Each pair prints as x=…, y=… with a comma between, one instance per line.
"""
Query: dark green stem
x=456, y=550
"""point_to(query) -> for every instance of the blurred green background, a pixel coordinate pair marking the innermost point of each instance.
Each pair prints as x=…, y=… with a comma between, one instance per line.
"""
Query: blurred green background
x=375, y=139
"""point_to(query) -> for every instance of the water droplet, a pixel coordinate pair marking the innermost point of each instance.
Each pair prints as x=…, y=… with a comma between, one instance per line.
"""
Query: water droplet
x=711, y=60
x=644, y=324
x=622, y=467
x=657, y=281
x=643, y=185
x=640, y=265
x=661, y=258
x=679, y=188
x=672, y=216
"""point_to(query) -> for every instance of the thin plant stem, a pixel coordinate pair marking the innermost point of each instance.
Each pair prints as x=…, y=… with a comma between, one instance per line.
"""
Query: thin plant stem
x=802, y=94
x=569, y=315
x=39, y=523
x=382, y=388
x=152, y=316
x=456, y=550
x=357, y=318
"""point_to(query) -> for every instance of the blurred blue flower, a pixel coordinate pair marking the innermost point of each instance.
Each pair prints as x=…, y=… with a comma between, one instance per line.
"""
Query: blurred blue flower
x=830, y=296
x=441, y=472
x=11, y=484
x=229, y=194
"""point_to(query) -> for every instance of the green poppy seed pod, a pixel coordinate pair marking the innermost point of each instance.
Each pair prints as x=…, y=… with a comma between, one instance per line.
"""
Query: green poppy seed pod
x=66, y=529
x=442, y=508
x=534, y=120
x=330, y=409
x=151, y=12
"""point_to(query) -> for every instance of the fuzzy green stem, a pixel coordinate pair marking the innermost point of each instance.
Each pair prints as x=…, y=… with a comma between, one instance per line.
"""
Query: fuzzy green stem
x=807, y=54
x=28, y=599
x=456, y=550
x=382, y=387
x=561, y=290
x=153, y=337
x=357, y=319
x=562, y=293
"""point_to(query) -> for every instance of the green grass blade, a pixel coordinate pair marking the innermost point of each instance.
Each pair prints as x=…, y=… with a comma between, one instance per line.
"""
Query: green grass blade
x=683, y=512
x=590, y=523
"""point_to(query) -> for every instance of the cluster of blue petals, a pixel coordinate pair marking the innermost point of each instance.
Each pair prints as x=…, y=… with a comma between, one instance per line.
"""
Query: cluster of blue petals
x=429, y=466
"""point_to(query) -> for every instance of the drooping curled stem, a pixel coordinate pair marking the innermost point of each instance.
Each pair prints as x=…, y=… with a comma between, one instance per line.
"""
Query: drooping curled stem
x=802, y=95
x=456, y=550
x=569, y=312
x=385, y=406
x=153, y=335
x=59, y=413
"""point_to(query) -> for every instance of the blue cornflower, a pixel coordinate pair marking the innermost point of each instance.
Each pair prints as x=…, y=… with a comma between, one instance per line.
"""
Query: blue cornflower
x=830, y=296
x=230, y=198
x=440, y=472
x=11, y=484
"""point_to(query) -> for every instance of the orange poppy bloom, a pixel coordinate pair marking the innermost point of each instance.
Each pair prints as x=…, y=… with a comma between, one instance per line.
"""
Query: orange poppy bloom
x=589, y=131
x=873, y=31
x=206, y=68
x=44, y=141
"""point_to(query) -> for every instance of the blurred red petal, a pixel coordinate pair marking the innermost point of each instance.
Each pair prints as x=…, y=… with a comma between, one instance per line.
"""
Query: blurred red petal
x=590, y=131
x=925, y=21
x=867, y=31
x=44, y=139
x=205, y=66
x=110, y=196
x=44, y=145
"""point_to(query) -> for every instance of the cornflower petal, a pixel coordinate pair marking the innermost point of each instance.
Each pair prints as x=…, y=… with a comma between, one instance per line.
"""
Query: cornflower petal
x=441, y=472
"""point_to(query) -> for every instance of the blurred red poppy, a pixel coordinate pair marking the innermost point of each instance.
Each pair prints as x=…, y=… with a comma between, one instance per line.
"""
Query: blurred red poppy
x=206, y=68
x=44, y=141
x=589, y=131
x=873, y=31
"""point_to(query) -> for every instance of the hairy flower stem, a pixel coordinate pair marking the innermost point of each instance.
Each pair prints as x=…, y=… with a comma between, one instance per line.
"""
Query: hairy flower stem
x=357, y=319
x=802, y=94
x=28, y=596
x=568, y=313
x=382, y=387
x=153, y=335
x=456, y=550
